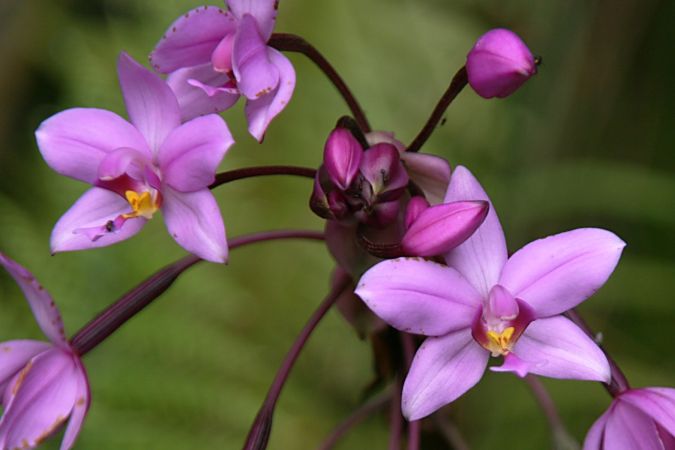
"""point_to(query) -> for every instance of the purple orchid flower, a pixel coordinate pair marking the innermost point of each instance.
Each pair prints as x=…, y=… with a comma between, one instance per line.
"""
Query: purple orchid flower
x=42, y=384
x=483, y=303
x=637, y=418
x=213, y=56
x=137, y=168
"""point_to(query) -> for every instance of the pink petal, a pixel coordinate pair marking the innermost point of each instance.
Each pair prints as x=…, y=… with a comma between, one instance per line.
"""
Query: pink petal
x=80, y=408
x=253, y=68
x=443, y=369
x=555, y=347
x=124, y=161
x=95, y=208
x=75, y=141
x=189, y=157
x=45, y=311
x=596, y=435
x=628, y=428
x=418, y=296
x=656, y=402
x=151, y=105
x=441, y=228
x=192, y=38
x=341, y=157
x=557, y=273
x=194, y=221
x=43, y=398
x=14, y=355
x=195, y=91
x=263, y=11
x=431, y=173
x=260, y=112
x=481, y=257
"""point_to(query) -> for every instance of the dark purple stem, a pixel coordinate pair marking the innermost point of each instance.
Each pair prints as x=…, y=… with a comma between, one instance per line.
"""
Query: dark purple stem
x=259, y=434
x=619, y=382
x=293, y=43
x=456, y=85
x=414, y=427
x=250, y=172
x=358, y=416
x=134, y=301
x=395, y=418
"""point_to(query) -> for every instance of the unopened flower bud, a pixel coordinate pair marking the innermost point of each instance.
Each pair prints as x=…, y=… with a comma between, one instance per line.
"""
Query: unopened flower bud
x=381, y=167
x=441, y=228
x=342, y=157
x=415, y=207
x=499, y=63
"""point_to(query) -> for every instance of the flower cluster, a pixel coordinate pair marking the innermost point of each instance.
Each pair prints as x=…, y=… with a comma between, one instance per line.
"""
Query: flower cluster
x=419, y=247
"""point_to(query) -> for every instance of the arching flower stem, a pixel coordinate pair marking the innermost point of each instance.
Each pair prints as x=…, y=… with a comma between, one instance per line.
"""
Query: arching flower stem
x=456, y=85
x=258, y=171
x=293, y=43
x=414, y=427
x=258, y=435
x=134, y=301
x=561, y=437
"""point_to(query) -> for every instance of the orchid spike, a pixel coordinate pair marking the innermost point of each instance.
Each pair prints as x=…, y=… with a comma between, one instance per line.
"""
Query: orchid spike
x=499, y=63
x=42, y=384
x=213, y=56
x=138, y=168
x=637, y=418
x=482, y=303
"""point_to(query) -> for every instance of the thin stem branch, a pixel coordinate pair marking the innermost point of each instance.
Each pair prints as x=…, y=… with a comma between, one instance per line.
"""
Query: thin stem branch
x=619, y=382
x=395, y=418
x=293, y=43
x=450, y=432
x=456, y=85
x=562, y=440
x=134, y=301
x=250, y=172
x=414, y=427
x=259, y=433
x=362, y=413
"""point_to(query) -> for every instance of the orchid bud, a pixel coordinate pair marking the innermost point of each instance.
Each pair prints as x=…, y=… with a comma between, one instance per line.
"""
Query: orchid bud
x=381, y=167
x=318, y=202
x=415, y=207
x=499, y=63
x=441, y=228
x=342, y=156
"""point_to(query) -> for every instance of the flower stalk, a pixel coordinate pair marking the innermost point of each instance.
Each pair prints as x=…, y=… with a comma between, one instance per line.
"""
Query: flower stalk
x=259, y=434
x=294, y=43
x=456, y=85
x=259, y=171
x=133, y=302
x=562, y=440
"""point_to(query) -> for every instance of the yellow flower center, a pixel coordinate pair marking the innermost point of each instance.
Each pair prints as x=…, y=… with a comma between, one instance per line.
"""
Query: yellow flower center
x=143, y=205
x=500, y=343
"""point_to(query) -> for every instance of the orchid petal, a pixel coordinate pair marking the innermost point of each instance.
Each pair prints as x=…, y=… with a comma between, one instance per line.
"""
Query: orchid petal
x=194, y=221
x=657, y=402
x=431, y=173
x=14, y=355
x=95, y=208
x=555, y=347
x=189, y=157
x=481, y=257
x=43, y=397
x=45, y=311
x=418, y=296
x=264, y=12
x=192, y=38
x=123, y=161
x=75, y=141
x=381, y=166
x=341, y=157
x=195, y=91
x=557, y=273
x=443, y=369
x=253, y=68
x=80, y=408
x=596, y=435
x=628, y=428
x=441, y=228
x=151, y=105
x=260, y=112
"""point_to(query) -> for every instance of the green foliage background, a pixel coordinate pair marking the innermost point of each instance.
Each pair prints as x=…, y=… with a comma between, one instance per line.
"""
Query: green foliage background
x=587, y=142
